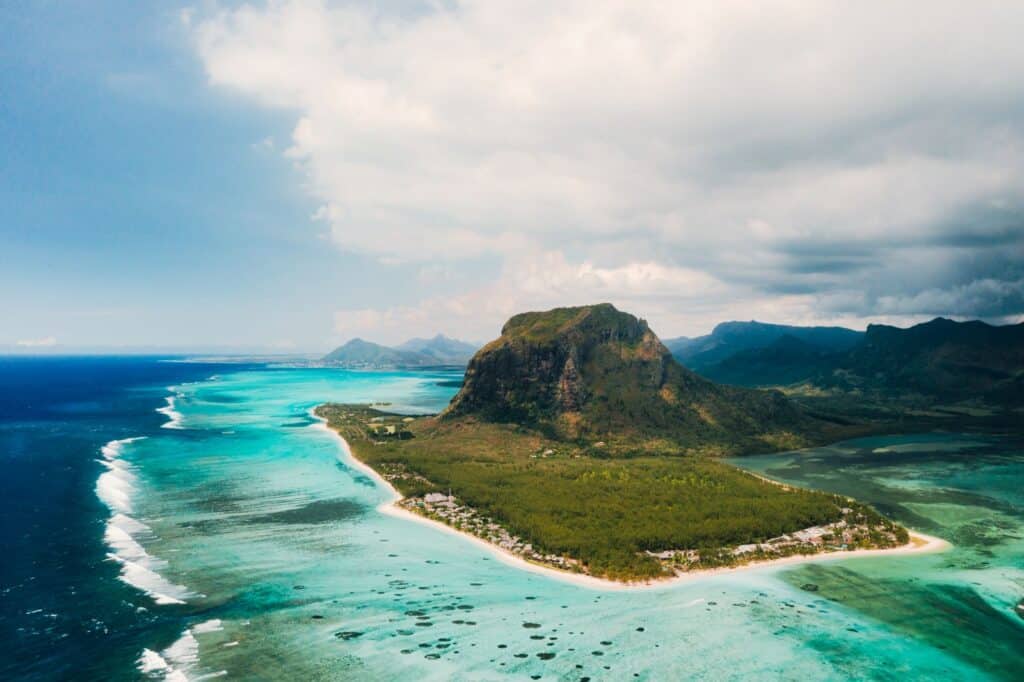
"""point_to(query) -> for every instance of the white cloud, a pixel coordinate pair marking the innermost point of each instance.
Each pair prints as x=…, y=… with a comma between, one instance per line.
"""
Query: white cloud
x=46, y=342
x=667, y=147
x=674, y=300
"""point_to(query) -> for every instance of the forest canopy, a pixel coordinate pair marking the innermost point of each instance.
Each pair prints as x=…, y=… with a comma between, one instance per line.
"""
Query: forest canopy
x=604, y=512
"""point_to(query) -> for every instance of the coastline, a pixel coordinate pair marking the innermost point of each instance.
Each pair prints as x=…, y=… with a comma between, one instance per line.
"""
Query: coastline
x=920, y=543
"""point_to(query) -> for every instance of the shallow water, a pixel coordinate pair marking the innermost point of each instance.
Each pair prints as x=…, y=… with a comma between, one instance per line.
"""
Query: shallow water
x=966, y=489
x=286, y=568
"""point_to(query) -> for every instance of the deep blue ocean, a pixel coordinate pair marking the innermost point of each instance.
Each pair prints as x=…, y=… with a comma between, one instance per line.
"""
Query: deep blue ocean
x=63, y=612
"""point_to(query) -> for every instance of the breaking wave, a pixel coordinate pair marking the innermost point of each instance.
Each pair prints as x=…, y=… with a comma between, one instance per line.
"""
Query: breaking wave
x=179, y=661
x=116, y=487
x=169, y=410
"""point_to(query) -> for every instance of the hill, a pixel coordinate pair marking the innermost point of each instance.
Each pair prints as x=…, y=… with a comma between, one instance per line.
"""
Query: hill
x=702, y=353
x=593, y=373
x=360, y=354
x=442, y=349
x=943, y=359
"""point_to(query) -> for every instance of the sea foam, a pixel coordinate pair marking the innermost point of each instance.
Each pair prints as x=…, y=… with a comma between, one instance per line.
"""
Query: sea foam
x=178, y=662
x=116, y=487
x=170, y=411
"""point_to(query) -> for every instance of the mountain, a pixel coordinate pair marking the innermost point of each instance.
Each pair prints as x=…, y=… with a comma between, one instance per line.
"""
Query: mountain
x=786, y=360
x=366, y=354
x=434, y=352
x=594, y=372
x=728, y=338
x=942, y=358
x=443, y=350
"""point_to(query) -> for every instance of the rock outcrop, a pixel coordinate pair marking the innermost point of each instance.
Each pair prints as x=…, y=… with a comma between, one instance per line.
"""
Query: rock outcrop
x=594, y=372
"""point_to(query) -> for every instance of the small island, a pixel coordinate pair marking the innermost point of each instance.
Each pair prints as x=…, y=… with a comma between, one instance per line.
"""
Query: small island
x=578, y=443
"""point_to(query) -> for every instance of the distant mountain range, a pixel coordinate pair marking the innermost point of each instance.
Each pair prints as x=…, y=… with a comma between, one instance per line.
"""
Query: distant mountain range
x=439, y=350
x=727, y=339
x=941, y=358
x=786, y=360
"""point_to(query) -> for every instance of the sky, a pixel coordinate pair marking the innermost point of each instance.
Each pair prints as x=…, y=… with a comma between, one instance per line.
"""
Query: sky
x=284, y=176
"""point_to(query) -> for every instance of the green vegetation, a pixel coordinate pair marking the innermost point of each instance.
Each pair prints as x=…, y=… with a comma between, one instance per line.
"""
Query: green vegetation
x=578, y=440
x=605, y=512
x=940, y=361
x=550, y=325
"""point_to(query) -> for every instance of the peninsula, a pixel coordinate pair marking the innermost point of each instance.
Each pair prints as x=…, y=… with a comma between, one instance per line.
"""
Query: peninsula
x=579, y=443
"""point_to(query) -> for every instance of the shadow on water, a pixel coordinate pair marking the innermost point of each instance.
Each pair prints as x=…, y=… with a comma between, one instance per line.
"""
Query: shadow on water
x=219, y=398
x=298, y=423
x=963, y=489
x=953, y=618
x=360, y=479
x=320, y=511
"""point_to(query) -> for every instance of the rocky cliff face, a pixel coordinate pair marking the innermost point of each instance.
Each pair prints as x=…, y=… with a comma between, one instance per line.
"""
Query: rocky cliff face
x=594, y=372
x=534, y=369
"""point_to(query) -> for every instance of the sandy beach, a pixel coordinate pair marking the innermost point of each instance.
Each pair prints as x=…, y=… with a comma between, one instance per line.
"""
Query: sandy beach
x=919, y=542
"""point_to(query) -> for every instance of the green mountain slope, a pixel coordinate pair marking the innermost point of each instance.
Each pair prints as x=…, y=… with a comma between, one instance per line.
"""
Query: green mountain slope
x=942, y=358
x=594, y=373
x=787, y=360
x=703, y=353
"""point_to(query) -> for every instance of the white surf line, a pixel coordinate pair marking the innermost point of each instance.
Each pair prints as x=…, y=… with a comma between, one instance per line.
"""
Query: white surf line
x=919, y=543
x=179, y=661
x=174, y=417
x=116, y=488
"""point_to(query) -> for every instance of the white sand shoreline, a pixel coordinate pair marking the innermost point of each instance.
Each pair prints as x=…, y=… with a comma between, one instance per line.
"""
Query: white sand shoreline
x=919, y=542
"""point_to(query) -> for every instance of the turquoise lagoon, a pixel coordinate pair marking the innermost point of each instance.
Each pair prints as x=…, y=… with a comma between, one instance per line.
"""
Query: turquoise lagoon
x=243, y=521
